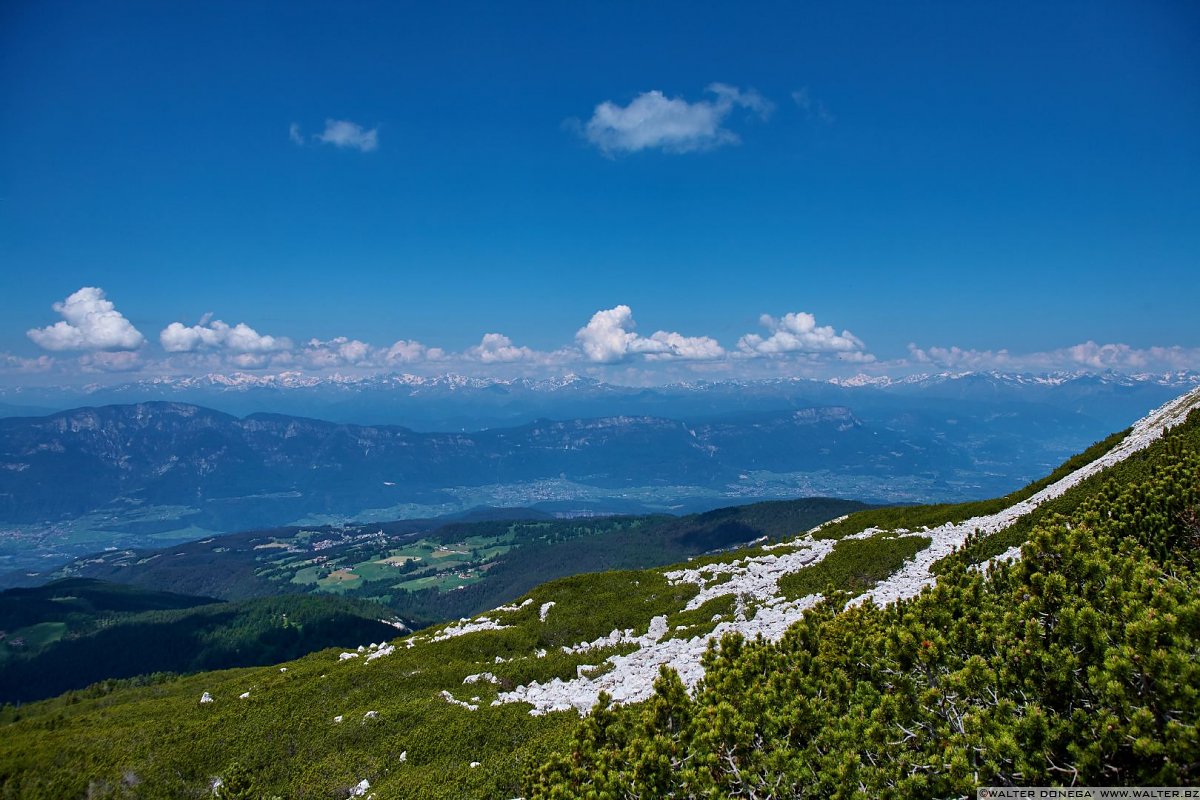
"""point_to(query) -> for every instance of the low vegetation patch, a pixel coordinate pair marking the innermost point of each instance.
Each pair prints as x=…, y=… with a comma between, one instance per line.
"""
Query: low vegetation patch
x=855, y=565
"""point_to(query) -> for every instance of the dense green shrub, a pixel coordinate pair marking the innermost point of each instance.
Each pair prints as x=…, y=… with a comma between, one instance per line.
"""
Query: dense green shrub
x=1078, y=664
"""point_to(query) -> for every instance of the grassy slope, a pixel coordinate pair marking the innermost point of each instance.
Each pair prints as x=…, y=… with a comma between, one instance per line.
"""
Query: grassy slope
x=284, y=734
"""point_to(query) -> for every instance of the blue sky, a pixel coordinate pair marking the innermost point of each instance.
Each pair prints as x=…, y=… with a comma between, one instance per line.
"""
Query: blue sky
x=801, y=188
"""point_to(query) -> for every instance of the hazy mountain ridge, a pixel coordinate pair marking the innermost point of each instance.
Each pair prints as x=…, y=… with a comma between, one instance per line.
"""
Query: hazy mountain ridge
x=451, y=401
x=162, y=453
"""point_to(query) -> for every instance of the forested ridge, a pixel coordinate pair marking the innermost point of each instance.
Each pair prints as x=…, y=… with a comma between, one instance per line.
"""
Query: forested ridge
x=99, y=631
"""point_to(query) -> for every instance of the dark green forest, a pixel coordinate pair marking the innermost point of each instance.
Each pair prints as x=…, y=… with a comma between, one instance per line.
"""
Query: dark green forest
x=104, y=631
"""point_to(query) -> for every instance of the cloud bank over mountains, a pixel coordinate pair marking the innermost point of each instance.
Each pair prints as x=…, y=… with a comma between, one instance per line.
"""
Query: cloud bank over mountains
x=93, y=337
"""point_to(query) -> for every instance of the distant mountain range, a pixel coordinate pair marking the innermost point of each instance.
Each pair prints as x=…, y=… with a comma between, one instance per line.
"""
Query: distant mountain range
x=456, y=402
x=150, y=474
x=172, y=454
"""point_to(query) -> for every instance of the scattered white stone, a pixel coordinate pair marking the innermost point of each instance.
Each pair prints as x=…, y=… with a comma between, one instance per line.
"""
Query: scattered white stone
x=361, y=649
x=631, y=677
x=474, y=764
x=482, y=676
x=464, y=626
x=361, y=788
x=1011, y=554
x=347, y=656
x=381, y=652
x=528, y=600
x=403, y=757
x=540, y=653
x=545, y=609
x=283, y=669
x=244, y=696
x=206, y=698
x=338, y=718
x=449, y=698
x=371, y=715
x=499, y=660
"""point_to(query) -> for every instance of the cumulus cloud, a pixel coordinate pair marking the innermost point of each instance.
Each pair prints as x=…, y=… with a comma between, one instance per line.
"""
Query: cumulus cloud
x=799, y=333
x=294, y=134
x=407, y=351
x=338, y=352
x=89, y=322
x=240, y=338
x=497, y=348
x=350, y=135
x=609, y=337
x=654, y=121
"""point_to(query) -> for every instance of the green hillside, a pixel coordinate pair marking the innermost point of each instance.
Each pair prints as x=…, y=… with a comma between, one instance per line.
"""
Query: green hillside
x=1076, y=663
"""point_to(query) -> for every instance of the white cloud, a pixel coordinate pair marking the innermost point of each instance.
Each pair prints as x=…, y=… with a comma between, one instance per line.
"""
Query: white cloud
x=112, y=361
x=406, y=351
x=11, y=363
x=497, y=348
x=240, y=338
x=799, y=333
x=346, y=134
x=609, y=337
x=337, y=352
x=294, y=134
x=90, y=322
x=813, y=108
x=691, y=348
x=672, y=124
x=1086, y=356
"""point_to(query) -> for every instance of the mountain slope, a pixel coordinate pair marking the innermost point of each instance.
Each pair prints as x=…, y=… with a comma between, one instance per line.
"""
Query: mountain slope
x=412, y=717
